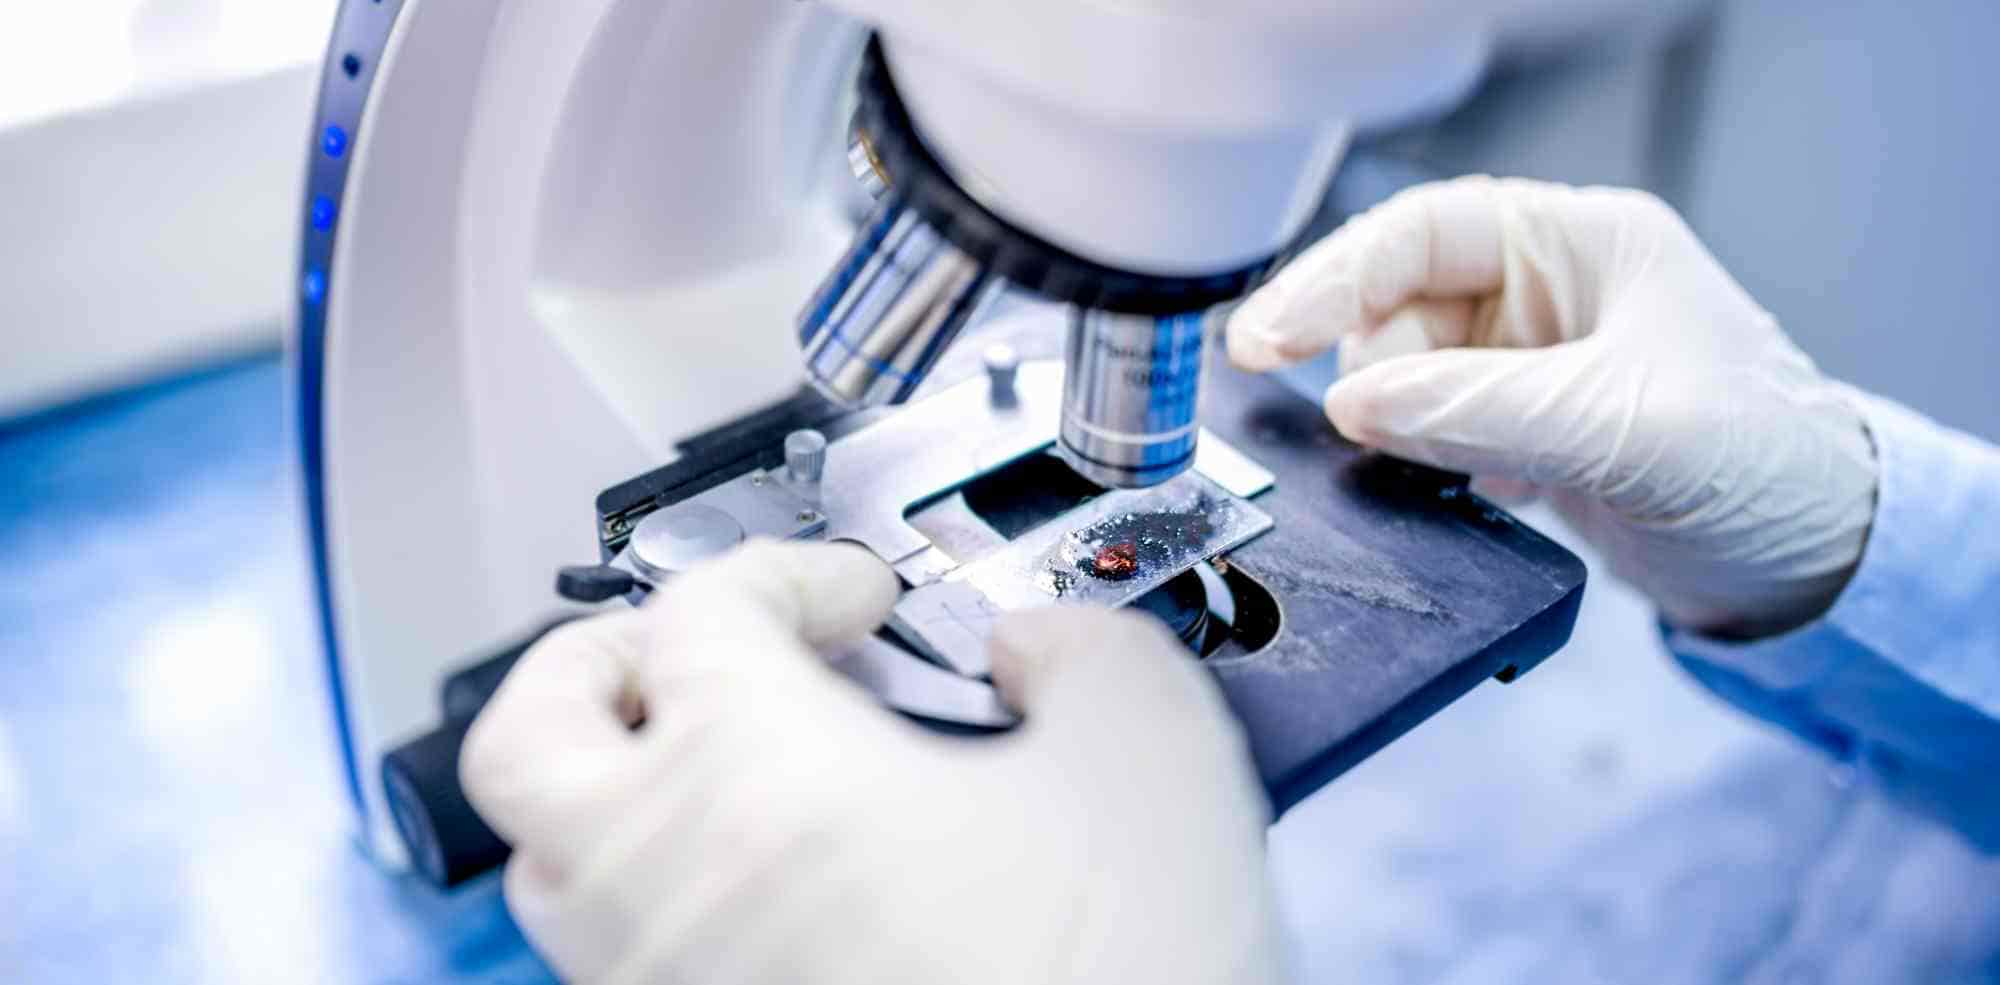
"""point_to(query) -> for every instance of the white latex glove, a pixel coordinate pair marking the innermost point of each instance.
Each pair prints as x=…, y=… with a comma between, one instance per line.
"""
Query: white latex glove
x=769, y=822
x=1582, y=342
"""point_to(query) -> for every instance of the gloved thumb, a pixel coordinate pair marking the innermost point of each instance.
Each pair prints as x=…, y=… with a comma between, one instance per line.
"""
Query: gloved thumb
x=1067, y=668
x=1112, y=701
x=1539, y=416
x=761, y=610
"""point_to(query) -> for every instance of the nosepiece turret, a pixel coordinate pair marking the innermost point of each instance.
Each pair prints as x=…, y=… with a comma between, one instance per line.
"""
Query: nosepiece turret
x=930, y=255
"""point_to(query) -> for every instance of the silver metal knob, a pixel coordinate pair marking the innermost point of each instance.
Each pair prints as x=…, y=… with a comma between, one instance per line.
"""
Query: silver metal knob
x=674, y=539
x=805, y=455
x=1002, y=365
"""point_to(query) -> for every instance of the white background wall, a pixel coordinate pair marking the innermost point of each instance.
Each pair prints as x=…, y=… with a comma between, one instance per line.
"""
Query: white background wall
x=151, y=153
x=1846, y=171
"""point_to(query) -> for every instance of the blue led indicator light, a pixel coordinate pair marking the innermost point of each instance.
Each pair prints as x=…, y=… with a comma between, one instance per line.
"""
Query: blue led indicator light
x=313, y=285
x=322, y=213
x=335, y=141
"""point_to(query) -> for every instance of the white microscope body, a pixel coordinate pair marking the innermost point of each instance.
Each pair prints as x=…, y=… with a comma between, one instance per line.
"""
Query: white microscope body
x=560, y=236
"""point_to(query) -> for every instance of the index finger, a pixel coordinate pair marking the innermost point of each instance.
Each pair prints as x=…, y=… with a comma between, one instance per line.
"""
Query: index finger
x=764, y=610
x=1435, y=240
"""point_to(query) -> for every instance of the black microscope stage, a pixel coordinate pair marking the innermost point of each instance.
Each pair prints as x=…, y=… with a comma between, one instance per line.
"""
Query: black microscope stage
x=1383, y=592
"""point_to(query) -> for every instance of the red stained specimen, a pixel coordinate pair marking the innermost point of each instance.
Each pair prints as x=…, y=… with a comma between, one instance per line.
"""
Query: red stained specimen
x=1116, y=562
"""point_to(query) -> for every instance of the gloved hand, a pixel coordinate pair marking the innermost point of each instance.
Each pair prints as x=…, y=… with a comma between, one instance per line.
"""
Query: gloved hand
x=1583, y=342
x=769, y=822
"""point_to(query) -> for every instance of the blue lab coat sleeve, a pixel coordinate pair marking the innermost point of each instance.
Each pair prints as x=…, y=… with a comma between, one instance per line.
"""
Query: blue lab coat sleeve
x=1901, y=677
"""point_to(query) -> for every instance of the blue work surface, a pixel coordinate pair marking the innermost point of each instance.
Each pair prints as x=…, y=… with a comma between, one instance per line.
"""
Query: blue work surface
x=171, y=806
x=172, y=810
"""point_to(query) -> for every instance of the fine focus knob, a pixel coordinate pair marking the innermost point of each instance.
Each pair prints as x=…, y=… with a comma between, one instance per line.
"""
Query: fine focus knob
x=805, y=455
x=678, y=537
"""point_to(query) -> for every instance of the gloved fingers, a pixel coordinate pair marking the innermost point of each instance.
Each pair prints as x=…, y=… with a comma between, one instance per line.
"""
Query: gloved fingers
x=1036, y=652
x=1541, y=255
x=1307, y=308
x=819, y=594
x=581, y=936
x=1423, y=325
x=760, y=613
x=1439, y=240
x=1502, y=413
x=1419, y=326
x=1544, y=252
x=550, y=745
x=1111, y=700
x=1067, y=666
x=710, y=660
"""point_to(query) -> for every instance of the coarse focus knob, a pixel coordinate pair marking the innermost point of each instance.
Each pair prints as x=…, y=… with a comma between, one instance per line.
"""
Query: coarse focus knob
x=447, y=840
x=676, y=538
x=805, y=455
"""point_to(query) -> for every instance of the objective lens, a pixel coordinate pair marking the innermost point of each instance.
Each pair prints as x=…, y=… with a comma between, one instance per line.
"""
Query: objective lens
x=1130, y=395
x=884, y=315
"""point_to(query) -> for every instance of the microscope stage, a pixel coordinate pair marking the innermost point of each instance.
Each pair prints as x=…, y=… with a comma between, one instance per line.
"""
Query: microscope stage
x=1339, y=597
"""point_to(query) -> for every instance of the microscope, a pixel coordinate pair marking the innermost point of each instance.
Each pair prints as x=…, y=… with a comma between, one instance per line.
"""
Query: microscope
x=941, y=280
